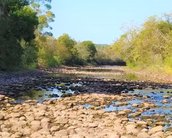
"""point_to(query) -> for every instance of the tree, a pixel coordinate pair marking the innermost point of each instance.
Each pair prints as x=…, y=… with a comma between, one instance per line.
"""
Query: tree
x=87, y=51
x=45, y=16
x=17, y=22
x=151, y=45
x=47, y=54
x=66, y=51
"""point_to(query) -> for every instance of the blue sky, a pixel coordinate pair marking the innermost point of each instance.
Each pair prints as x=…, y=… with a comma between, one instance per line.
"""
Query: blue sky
x=103, y=21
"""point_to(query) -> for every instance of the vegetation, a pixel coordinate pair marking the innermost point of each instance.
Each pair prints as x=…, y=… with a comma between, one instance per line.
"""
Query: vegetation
x=151, y=45
x=86, y=51
x=17, y=23
x=26, y=43
x=106, y=56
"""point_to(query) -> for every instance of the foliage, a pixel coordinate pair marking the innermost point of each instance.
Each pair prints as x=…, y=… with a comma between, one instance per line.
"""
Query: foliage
x=67, y=53
x=47, y=56
x=150, y=45
x=29, y=56
x=25, y=41
x=106, y=56
x=86, y=51
x=44, y=14
x=17, y=22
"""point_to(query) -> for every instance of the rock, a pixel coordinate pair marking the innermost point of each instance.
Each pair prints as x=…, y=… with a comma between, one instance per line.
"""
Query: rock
x=113, y=135
x=165, y=101
x=135, y=105
x=160, y=123
x=1, y=116
x=54, y=128
x=158, y=135
x=66, y=95
x=169, y=136
x=61, y=121
x=93, y=125
x=4, y=135
x=45, y=123
x=2, y=97
x=131, y=129
x=35, y=125
x=16, y=115
x=143, y=135
x=76, y=136
x=36, y=135
x=122, y=113
x=121, y=103
x=26, y=131
x=135, y=114
x=61, y=133
x=141, y=123
x=148, y=105
x=53, y=95
x=155, y=130
x=17, y=135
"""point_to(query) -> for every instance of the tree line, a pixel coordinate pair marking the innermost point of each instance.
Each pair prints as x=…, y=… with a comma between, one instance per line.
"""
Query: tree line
x=147, y=46
x=26, y=43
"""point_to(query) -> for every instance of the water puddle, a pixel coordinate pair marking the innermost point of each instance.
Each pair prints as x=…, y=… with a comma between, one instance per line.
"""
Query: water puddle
x=44, y=93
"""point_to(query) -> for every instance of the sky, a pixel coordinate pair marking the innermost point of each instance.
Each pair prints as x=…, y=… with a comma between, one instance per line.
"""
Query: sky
x=103, y=21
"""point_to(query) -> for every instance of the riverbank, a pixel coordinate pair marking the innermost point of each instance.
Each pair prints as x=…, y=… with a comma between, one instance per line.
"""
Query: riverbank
x=68, y=118
x=118, y=72
x=106, y=72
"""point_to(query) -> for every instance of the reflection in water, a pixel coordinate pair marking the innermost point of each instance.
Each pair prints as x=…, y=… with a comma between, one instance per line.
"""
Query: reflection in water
x=59, y=90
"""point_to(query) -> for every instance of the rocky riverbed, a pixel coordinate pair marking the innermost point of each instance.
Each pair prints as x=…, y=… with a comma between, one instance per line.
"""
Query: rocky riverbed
x=69, y=118
x=63, y=105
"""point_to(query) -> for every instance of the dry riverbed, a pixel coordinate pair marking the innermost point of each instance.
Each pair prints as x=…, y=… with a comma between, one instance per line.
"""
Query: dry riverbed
x=84, y=103
x=68, y=118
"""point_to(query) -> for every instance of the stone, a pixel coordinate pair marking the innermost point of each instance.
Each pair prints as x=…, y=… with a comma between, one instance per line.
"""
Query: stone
x=36, y=135
x=2, y=97
x=76, y=136
x=155, y=130
x=1, y=116
x=165, y=101
x=35, y=125
x=122, y=113
x=54, y=128
x=135, y=114
x=169, y=136
x=141, y=123
x=158, y=134
x=93, y=125
x=4, y=135
x=26, y=131
x=16, y=115
x=61, y=121
x=135, y=105
x=45, y=123
x=113, y=135
x=61, y=133
x=131, y=129
x=143, y=135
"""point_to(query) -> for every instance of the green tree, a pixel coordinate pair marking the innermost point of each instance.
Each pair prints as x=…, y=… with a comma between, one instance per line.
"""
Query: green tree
x=87, y=51
x=151, y=45
x=17, y=22
x=47, y=55
x=66, y=51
